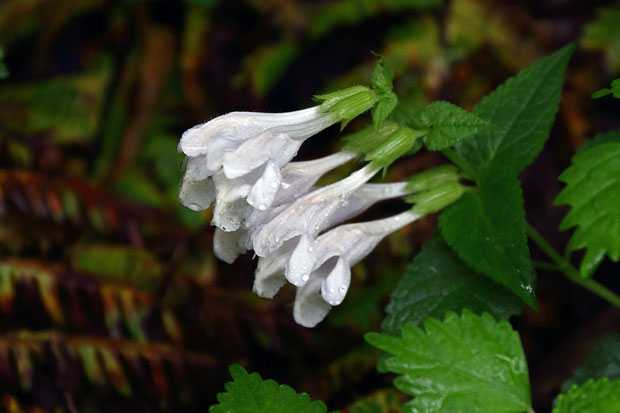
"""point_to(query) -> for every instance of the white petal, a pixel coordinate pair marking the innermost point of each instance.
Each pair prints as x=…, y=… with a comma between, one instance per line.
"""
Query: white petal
x=306, y=215
x=336, y=285
x=196, y=195
x=310, y=308
x=255, y=152
x=301, y=261
x=196, y=167
x=227, y=246
x=240, y=126
x=264, y=190
x=231, y=208
x=269, y=274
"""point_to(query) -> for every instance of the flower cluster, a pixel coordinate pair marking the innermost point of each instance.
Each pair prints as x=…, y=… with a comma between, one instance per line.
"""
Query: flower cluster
x=263, y=202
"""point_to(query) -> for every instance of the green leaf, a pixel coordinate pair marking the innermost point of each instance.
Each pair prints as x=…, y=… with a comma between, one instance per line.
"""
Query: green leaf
x=602, y=361
x=249, y=393
x=611, y=136
x=395, y=146
x=449, y=124
x=382, y=76
x=463, y=364
x=593, y=192
x=487, y=230
x=438, y=281
x=524, y=108
x=368, y=139
x=383, y=108
x=593, y=396
x=614, y=91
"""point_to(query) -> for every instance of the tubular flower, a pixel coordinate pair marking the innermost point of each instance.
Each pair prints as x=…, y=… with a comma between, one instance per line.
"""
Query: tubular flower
x=335, y=253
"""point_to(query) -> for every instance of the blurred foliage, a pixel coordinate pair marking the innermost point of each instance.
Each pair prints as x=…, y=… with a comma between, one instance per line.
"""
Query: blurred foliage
x=110, y=296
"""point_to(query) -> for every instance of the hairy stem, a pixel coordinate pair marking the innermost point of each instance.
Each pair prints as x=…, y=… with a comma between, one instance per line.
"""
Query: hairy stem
x=570, y=272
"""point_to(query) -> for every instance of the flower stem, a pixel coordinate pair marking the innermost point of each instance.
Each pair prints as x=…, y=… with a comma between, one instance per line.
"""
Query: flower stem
x=570, y=272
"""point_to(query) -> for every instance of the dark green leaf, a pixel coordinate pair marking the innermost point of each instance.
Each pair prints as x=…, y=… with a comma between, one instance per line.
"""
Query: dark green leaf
x=487, y=230
x=524, y=108
x=438, y=281
x=593, y=396
x=383, y=108
x=593, y=192
x=448, y=124
x=463, y=364
x=249, y=393
x=382, y=76
x=602, y=361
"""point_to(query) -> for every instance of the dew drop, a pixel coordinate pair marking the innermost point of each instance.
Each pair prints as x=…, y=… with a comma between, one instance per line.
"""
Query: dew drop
x=305, y=278
x=262, y=207
x=274, y=185
x=331, y=291
x=342, y=289
x=310, y=249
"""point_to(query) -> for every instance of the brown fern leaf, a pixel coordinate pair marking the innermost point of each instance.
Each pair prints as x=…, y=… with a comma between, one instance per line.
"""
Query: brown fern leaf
x=73, y=202
x=40, y=295
x=76, y=367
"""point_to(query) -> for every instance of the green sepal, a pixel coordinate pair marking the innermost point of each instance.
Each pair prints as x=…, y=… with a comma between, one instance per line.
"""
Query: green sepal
x=435, y=199
x=614, y=90
x=432, y=177
x=395, y=146
x=348, y=103
x=367, y=139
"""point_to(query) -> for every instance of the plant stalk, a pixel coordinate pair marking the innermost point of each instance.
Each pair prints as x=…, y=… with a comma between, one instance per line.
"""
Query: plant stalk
x=570, y=272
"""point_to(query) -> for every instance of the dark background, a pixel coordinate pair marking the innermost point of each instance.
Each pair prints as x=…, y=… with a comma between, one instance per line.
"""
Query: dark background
x=110, y=297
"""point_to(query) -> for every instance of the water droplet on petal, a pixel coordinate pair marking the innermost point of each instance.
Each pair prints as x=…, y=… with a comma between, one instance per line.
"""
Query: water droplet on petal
x=305, y=278
x=274, y=185
x=331, y=291
x=342, y=289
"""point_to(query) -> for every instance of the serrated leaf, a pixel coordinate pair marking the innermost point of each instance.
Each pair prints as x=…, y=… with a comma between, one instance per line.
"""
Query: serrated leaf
x=602, y=361
x=524, y=108
x=614, y=90
x=593, y=192
x=487, y=230
x=438, y=281
x=594, y=396
x=449, y=124
x=383, y=108
x=249, y=393
x=611, y=136
x=382, y=76
x=463, y=364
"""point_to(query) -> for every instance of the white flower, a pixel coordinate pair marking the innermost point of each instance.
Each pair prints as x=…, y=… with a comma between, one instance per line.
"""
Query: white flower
x=294, y=260
x=336, y=252
x=244, y=152
x=308, y=214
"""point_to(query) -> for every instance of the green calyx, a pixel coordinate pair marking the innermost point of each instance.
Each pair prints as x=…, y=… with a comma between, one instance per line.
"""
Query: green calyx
x=348, y=103
x=436, y=198
x=397, y=144
x=431, y=178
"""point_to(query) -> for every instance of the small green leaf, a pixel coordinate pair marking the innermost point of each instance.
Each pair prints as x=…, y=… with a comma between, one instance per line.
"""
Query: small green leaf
x=249, y=393
x=449, y=124
x=487, y=230
x=395, y=146
x=383, y=108
x=602, y=361
x=438, y=281
x=382, y=76
x=593, y=192
x=593, y=396
x=463, y=364
x=367, y=139
x=614, y=91
x=524, y=108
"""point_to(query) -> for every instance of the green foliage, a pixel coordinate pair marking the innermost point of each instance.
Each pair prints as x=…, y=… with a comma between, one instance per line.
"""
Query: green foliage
x=249, y=393
x=438, y=281
x=385, y=105
x=593, y=192
x=395, y=146
x=614, y=90
x=380, y=402
x=524, y=108
x=267, y=64
x=487, y=230
x=602, y=361
x=593, y=396
x=469, y=363
x=382, y=76
x=603, y=33
x=611, y=136
x=448, y=124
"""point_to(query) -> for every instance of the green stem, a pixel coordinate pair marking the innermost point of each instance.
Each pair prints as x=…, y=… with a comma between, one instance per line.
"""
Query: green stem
x=570, y=272
x=456, y=159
